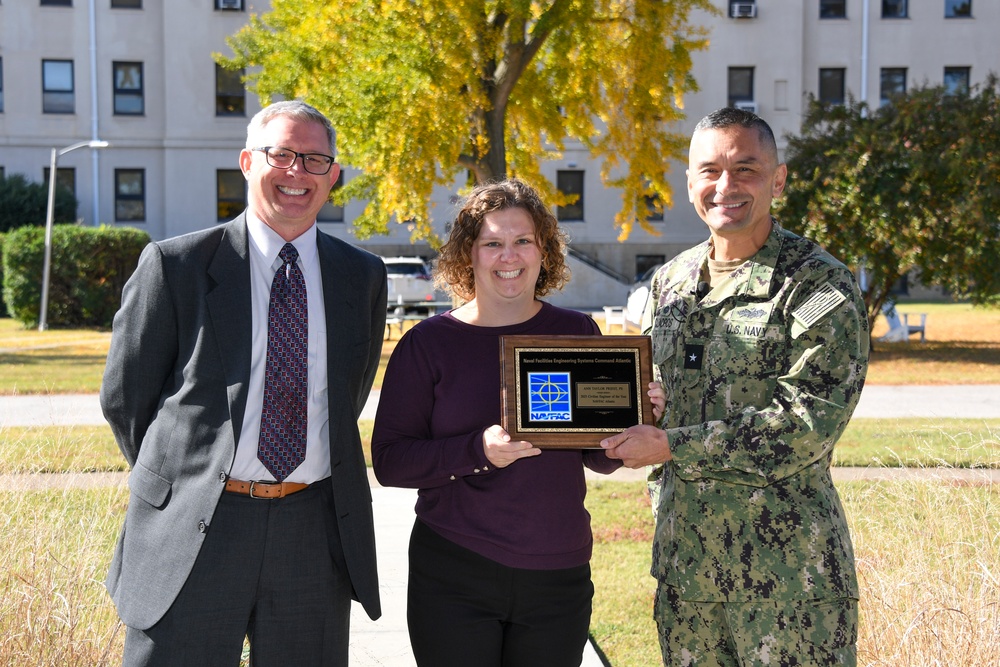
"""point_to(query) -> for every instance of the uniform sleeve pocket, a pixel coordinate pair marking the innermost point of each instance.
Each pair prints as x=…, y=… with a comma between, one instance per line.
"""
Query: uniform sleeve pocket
x=148, y=485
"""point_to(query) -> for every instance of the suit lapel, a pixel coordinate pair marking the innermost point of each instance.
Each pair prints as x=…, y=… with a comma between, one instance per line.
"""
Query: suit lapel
x=229, y=310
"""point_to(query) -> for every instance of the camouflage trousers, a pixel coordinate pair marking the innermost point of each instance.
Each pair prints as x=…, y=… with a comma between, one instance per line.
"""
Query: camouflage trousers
x=795, y=633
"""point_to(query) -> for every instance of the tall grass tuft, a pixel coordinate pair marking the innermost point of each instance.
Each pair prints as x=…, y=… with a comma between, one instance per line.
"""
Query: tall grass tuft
x=54, y=610
x=928, y=556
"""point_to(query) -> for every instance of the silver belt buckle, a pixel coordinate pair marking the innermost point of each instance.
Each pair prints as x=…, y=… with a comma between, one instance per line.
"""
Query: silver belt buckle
x=252, y=485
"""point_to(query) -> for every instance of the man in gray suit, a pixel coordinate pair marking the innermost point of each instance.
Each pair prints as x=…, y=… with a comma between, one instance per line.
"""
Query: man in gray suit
x=240, y=361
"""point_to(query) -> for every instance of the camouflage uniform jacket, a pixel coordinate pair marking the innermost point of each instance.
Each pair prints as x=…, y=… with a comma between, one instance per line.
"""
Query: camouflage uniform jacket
x=762, y=376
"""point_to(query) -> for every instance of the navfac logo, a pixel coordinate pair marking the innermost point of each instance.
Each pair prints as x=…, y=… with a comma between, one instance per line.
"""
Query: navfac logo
x=549, y=397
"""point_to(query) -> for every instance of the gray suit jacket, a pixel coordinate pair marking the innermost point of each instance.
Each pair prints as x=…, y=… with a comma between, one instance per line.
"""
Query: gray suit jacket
x=175, y=393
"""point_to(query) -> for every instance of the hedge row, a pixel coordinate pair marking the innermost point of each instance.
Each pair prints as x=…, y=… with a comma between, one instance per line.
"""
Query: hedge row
x=89, y=268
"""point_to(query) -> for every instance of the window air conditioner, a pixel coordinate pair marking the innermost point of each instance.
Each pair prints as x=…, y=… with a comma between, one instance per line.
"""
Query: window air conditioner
x=743, y=10
x=229, y=4
x=746, y=106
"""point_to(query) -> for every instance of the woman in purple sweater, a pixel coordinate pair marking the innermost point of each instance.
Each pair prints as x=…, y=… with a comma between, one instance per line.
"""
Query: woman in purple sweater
x=500, y=552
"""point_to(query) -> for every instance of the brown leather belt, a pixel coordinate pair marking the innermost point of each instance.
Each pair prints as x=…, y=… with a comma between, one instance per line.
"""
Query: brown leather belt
x=263, y=490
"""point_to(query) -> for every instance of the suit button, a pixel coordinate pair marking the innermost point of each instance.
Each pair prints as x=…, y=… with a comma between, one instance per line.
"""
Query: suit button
x=222, y=477
x=202, y=526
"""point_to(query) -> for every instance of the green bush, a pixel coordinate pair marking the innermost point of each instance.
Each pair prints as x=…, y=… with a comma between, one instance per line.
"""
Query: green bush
x=89, y=268
x=24, y=203
x=3, y=305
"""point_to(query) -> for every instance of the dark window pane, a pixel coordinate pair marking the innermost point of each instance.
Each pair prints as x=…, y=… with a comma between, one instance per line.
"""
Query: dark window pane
x=893, y=83
x=570, y=183
x=130, y=195
x=740, y=85
x=894, y=9
x=230, y=96
x=126, y=4
x=57, y=86
x=956, y=80
x=128, y=88
x=831, y=85
x=958, y=9
x=230, y=193
x=832, y=9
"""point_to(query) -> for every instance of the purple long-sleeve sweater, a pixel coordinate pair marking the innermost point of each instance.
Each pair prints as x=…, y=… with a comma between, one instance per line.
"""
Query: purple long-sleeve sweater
x=441, y=391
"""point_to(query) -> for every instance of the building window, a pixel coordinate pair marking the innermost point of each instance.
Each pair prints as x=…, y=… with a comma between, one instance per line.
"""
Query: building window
x=570, y=183
x=65, y=178
x=230, y=193
x=831, y=85
x=128, y=89
x=958, y=9
x=740, y=86
x=332, y=212
x=1, y=85
x=230, y=5
x=230, y=96
x=894, y=9
x=956, y=80
x=57, y=86
x=56, y=3
x=126, y=4
x=646, y=265
x=130, y=195
x=893, y=84
x=833, y=9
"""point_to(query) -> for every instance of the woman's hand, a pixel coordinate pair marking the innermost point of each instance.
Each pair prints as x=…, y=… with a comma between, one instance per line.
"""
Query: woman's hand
x=499, y=449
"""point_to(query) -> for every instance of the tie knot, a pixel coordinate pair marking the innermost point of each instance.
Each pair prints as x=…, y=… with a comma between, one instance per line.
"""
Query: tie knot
x=288, y=254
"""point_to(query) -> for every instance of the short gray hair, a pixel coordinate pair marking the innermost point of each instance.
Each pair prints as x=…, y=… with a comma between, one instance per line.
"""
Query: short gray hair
x=296, y=109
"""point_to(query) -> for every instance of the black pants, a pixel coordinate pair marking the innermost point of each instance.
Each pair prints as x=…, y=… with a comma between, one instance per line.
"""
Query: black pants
x=464, y=609
x=270, y=570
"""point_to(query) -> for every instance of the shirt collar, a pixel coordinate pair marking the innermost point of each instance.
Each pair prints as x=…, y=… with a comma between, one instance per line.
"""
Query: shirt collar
x=268, y=243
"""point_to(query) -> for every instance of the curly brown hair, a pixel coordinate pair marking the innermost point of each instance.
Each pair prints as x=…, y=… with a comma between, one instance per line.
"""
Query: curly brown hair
x=453, y=269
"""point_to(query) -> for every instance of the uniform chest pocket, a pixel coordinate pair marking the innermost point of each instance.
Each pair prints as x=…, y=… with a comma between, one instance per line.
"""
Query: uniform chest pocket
x=745, y=369
x=666, y=333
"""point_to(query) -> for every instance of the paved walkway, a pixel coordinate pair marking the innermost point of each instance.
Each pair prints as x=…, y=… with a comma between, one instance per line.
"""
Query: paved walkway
x=384, y=643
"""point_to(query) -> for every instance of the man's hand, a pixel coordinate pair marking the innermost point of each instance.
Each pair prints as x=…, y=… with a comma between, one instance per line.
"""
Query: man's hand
x=638, y=446
x=499, y=449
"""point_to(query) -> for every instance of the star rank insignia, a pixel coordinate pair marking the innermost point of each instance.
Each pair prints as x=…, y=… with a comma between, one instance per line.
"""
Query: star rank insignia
x=692, y=356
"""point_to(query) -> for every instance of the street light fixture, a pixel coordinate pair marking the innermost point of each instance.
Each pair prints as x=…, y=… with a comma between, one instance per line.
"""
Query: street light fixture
x=49, y=213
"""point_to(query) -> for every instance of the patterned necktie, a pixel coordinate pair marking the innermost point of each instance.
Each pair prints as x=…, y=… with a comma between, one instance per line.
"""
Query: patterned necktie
x=282, y=445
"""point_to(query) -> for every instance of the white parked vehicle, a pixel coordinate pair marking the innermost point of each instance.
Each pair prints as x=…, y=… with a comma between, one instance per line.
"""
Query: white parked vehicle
x=410, y=285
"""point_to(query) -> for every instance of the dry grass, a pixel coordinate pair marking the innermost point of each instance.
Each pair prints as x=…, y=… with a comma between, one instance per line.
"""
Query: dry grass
x=54, y=610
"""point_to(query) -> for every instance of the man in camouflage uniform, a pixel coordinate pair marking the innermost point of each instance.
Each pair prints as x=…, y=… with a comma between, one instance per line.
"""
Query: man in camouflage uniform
x=760, y=340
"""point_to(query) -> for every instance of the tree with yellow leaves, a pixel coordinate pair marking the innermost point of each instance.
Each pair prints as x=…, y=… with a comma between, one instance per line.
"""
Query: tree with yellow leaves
x=420, y=90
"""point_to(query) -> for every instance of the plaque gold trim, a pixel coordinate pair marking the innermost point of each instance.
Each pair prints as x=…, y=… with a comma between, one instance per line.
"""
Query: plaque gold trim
x=571, y=392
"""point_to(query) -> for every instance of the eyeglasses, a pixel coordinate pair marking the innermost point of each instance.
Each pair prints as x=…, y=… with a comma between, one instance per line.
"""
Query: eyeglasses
x=284, y=158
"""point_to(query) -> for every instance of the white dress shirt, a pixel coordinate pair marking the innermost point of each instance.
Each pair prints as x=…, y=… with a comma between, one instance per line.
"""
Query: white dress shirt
x=264, y=261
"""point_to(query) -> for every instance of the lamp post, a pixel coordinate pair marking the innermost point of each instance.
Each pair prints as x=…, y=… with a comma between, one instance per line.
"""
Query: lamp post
x=49, y=213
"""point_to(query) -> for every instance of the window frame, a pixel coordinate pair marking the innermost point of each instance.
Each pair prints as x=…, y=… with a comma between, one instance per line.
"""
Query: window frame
x=128, y=93
x=833, y=9
x=902, y=11
x=883, y=74
x=65, y=178
x=951, y=7
x=227, y=102
x=966, y=85
x=220, y=6
x=571, y=212
x=123, y=199
x=226, y=205
x=732, y=97
x=51, y=95
x=841, y=97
